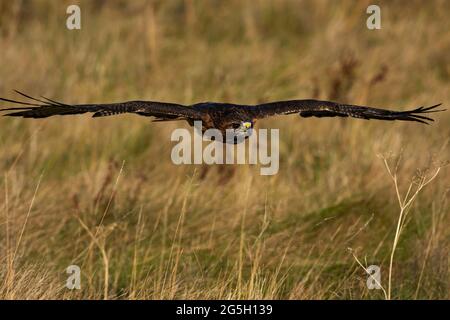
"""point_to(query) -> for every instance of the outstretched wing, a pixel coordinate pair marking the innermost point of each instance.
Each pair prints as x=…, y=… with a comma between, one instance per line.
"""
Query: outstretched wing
x=43, y=108
x=317, y=108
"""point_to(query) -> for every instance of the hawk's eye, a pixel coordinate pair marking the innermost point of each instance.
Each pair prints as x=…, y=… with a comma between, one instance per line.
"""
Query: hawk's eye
x=236, y=125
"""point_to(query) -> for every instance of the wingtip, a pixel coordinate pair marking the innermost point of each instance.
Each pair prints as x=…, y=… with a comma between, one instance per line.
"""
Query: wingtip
x=11, y=115
x=431, y=108
x=20, y=92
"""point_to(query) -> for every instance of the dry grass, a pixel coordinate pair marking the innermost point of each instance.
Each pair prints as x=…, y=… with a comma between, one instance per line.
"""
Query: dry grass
x=104, y=195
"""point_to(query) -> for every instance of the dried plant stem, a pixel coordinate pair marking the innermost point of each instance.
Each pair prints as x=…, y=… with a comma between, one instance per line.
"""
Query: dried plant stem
x=365, y=269
x=405, y=205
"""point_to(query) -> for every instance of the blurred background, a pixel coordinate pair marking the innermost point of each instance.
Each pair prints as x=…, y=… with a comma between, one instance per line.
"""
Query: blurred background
x=103, y=194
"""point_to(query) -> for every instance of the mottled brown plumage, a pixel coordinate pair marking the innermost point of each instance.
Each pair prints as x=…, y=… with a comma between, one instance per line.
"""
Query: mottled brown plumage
x=221, y=116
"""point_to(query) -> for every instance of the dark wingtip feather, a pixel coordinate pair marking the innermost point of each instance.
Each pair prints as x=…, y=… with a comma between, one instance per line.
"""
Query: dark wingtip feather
x=15, y=114
x=55, y=102
x=422, y=109
x=34, y=110
x=29, y=97
x=19, y=102
x=417, y=114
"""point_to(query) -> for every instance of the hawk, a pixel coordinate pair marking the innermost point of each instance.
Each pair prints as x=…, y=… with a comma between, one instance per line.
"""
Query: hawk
x=236, y=118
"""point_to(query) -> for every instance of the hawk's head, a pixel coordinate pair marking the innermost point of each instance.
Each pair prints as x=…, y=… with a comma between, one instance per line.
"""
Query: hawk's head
x=240, y=131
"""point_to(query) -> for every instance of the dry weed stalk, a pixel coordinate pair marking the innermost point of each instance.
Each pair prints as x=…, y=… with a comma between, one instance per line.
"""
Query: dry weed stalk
x=368, y=272
x=405, y=204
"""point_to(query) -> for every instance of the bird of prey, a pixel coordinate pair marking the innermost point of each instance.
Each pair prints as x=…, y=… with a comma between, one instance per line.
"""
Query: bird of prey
x=237, y=118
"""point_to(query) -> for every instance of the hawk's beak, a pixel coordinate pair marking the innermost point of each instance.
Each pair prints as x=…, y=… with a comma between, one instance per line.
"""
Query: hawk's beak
x=247, y=125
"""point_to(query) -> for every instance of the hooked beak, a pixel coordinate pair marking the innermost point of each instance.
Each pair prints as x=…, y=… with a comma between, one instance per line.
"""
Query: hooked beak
x=247, y=125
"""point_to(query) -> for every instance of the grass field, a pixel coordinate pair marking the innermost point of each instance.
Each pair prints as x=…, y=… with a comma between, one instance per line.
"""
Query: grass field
x=103, y=194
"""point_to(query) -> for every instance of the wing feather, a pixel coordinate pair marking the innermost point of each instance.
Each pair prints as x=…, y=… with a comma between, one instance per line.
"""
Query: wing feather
x=318, y=108
x=48, y=107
